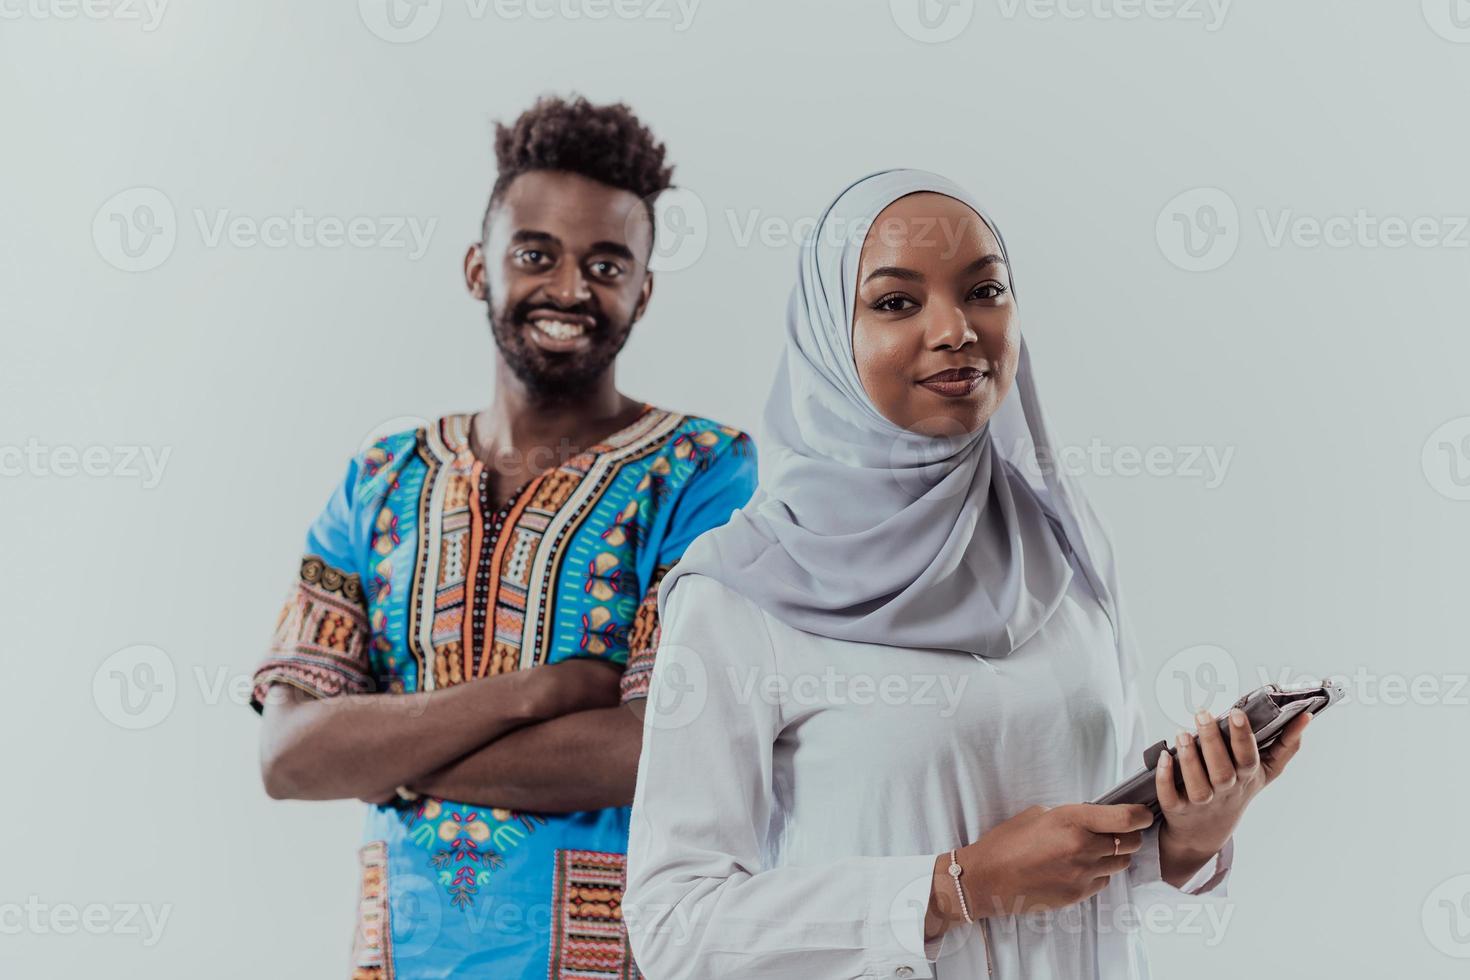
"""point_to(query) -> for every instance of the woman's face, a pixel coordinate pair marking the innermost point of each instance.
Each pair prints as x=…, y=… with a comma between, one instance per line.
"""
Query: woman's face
x=935, y=333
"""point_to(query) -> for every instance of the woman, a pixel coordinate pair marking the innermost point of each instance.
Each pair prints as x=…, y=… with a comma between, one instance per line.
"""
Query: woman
x=885, y=686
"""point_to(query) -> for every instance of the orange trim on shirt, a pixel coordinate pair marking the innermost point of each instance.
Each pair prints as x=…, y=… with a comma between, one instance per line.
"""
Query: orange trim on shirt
x=502, y=541
x=472, y=561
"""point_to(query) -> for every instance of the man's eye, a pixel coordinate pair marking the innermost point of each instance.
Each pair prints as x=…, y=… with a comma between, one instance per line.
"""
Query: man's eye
x=531, y=256
x=607, y=270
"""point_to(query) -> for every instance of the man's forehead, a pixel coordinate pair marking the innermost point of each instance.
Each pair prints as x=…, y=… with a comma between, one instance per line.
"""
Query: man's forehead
x=570, y=207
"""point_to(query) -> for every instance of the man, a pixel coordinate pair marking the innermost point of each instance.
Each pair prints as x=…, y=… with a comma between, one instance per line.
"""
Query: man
x=475, y=621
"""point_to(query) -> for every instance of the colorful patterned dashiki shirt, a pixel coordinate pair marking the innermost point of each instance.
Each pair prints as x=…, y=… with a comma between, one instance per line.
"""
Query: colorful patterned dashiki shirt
x=411, y=581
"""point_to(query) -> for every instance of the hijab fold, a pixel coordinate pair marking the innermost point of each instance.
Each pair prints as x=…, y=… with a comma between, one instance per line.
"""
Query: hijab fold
x=863, y=530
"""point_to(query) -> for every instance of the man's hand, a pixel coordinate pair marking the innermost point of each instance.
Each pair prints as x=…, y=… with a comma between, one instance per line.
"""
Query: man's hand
x=553, y=692
x=381, y=799
x=362, y=746
x=585, y=760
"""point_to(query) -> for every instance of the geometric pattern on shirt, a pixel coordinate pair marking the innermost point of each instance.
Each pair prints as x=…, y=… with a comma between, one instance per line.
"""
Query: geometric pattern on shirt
x=372, y=944
x=494, y=571
x=320, y=641
x=588, y=940
x=643, y=641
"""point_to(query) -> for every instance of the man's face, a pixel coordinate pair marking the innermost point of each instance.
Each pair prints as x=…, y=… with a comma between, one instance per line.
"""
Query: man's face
x=563, y=270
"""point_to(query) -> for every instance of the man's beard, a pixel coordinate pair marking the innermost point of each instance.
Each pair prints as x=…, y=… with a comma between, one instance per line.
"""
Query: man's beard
x=549, y=376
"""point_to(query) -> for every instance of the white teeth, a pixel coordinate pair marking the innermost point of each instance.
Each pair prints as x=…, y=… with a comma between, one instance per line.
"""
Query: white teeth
x=560, y=329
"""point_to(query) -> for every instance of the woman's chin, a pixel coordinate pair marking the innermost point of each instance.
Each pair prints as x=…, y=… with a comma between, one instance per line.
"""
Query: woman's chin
x=958, y=420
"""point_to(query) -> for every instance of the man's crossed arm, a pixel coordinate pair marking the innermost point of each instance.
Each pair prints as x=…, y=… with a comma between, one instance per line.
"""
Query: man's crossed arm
x=582, y=761
x=551, y=738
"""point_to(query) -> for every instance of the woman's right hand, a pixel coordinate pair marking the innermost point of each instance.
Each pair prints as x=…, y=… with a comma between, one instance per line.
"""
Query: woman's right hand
x=1042, y=858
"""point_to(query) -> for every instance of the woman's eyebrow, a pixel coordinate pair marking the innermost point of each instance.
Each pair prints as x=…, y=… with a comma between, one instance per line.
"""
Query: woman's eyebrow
x=982, y=262
x=897, y=272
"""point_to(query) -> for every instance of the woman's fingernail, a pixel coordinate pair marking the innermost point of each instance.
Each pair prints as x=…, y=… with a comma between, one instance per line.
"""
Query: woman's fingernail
x=1202, y=717
x=1237, y=718
x=1183, y=738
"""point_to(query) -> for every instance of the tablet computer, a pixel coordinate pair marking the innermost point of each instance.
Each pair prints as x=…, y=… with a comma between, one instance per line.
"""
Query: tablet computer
x=1268, y=709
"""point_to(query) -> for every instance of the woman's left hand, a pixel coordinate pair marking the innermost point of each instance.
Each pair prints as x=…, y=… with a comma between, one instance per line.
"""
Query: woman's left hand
x=1217, y=788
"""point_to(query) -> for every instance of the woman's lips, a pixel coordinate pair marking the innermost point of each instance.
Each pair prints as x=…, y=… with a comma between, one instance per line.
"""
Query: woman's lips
x=955, y=382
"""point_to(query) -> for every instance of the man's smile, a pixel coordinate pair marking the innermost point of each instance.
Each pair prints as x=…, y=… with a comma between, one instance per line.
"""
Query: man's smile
x=562, y=333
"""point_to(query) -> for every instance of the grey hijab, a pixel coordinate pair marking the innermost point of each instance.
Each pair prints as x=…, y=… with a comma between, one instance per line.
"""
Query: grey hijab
x=863, y=530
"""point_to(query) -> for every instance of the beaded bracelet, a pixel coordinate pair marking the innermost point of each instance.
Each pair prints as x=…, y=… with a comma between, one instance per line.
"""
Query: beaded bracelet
x=954, y=872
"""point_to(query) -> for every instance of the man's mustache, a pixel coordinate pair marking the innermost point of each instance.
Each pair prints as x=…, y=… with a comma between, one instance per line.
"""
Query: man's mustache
x=523, y=310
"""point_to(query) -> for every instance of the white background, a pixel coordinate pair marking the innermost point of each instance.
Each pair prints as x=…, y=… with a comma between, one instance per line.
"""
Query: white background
x=1334, y=544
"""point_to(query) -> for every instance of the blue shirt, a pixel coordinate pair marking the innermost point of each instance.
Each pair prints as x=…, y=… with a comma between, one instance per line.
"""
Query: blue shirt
x=413, y=580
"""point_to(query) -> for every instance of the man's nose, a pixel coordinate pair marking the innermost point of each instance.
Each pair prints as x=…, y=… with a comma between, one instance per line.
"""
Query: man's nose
x=568, y=286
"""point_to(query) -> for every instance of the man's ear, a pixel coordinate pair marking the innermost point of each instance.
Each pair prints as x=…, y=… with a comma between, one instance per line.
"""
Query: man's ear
x=474, y=271
x=644, y=295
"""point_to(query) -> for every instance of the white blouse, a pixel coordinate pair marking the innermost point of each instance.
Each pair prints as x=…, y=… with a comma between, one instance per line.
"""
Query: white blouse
x=794, y=791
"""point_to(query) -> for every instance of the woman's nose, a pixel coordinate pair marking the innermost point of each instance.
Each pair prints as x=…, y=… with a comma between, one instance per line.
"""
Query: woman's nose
x=950, y=329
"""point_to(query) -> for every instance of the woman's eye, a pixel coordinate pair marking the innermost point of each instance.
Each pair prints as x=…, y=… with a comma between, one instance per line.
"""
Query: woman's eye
x=988, y=290
x=894, y=303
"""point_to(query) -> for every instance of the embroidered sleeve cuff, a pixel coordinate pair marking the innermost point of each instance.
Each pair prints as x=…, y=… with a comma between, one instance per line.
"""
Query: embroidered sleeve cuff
x=643, y=642
x=321, y=640
x=636, y=677
x=320, y=680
